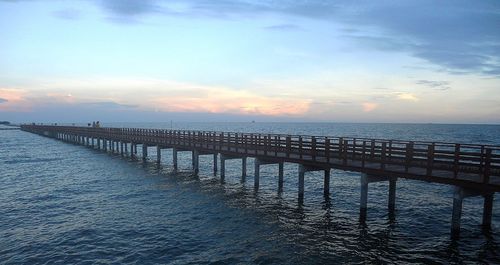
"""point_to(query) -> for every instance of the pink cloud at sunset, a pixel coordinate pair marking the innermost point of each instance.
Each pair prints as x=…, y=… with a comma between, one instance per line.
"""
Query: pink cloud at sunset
x=220, y=100
x=13, y=100
x=369, y=106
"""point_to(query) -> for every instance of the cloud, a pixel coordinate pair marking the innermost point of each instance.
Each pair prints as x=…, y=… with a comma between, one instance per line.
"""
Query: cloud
x=12, y=99
x=109, y=105
x=68, y=14
x=460, y=37
x=163, y=95
x=408, y=97
x=431, y=83
x=437, y=85
x=369, y=106
x=283, y=27
x=129, y=7
x=222, y=100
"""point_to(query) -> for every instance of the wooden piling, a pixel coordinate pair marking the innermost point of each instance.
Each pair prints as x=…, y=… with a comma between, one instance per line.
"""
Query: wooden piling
x=158, y=154
x=174, y=158
x=280, y=176
x=215, y=164
x=256, y=175
x=144, y=152
x=326, y=183
x=487, y=210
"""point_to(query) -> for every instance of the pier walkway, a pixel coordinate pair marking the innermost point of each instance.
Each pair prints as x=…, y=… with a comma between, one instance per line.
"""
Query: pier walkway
x=473, y=169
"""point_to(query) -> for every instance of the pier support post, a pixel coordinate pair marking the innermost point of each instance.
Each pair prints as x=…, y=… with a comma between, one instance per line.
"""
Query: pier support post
x=458, y=196
x=98, y=143
x=196, y=164
x=302, y=172
x=259, y=162
x=363, y=203
x=144, y=152
x=158, y=154
x=222, y=167
x=365, y=180
x=133, y=150
x=392, y=195
x=243, y=168
x=121, y=148
x=105, y=145
x=174, y=158
x=326, y=183
x=256, y=175
x=215, y=164
x=223, y=159
x=280, y=176
x=487, y=211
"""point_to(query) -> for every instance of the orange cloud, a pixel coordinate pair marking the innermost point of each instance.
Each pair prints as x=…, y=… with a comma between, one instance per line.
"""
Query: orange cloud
x=221, y=100
x=369, y=106
x=408, y=97
x=14, y=100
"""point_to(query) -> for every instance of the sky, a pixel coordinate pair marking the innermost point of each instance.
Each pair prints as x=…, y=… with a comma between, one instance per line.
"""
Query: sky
x=291, y=60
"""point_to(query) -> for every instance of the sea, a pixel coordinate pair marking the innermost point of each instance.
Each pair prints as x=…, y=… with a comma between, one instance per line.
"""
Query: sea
x=62, y=203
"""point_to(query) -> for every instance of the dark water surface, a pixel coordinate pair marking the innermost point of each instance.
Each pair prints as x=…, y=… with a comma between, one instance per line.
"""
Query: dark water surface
x=65, y=204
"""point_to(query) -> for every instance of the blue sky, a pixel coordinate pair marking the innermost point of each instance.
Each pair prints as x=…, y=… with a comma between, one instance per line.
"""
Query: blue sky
x=198, y=60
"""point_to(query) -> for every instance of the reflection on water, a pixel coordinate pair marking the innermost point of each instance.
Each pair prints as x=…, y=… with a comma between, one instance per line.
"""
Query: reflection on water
x=66, y=203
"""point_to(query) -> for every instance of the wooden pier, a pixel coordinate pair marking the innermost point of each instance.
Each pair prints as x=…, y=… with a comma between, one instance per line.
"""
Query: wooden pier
x=473, y=169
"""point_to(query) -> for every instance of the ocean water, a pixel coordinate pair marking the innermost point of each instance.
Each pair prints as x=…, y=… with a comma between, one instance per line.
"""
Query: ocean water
x=66, y=204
